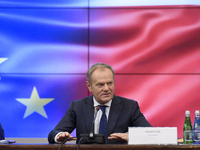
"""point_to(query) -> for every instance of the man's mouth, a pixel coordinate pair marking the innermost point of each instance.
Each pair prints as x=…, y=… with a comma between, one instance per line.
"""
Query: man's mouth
x=106, y=94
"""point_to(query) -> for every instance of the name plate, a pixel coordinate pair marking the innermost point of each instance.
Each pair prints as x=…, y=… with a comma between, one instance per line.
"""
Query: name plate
x=152, y=135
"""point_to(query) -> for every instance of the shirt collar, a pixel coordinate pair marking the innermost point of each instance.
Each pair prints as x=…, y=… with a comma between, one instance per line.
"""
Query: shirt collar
x=97, y=104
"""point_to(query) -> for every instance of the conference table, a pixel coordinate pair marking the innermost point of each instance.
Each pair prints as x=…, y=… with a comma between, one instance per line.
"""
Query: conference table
x=31, y=146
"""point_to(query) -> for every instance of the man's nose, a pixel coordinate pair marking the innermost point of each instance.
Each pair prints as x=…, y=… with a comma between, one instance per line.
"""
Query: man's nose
x=105, y=87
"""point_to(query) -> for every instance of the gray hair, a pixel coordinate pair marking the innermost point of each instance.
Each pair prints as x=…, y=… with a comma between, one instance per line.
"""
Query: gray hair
x=95, y=66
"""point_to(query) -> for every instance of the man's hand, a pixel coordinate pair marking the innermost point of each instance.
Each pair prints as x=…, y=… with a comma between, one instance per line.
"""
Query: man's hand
x=119, y=136
x=62, y=136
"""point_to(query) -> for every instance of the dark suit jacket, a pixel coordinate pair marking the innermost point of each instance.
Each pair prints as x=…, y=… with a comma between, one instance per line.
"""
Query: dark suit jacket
x=124, y=113
x=1, y=133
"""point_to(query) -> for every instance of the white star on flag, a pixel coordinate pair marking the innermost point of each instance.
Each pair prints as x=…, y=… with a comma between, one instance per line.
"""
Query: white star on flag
x=2, y=60
x=35, y=103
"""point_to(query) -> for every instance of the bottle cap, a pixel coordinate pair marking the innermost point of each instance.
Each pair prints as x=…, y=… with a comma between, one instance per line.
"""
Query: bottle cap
x=187, y=112
x=197, y=112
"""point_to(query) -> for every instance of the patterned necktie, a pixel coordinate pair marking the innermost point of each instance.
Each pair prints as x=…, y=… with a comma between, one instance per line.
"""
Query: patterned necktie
x=103, y=122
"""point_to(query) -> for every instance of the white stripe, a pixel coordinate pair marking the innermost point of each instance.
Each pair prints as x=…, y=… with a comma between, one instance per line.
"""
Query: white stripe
x=113, y=3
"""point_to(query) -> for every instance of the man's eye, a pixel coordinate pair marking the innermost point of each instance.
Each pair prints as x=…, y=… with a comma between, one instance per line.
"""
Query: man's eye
x=110, y=83
x=99, y=85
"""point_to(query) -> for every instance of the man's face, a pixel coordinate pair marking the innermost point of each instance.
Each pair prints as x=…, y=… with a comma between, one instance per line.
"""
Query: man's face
x=102, y=85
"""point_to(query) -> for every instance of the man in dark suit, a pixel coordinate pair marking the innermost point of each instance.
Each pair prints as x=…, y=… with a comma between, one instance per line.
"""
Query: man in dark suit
x=1, y=133
x=121, y=113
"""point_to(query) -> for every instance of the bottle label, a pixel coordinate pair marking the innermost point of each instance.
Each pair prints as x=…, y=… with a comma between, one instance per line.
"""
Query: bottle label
x=196, y=135
x=188, y=135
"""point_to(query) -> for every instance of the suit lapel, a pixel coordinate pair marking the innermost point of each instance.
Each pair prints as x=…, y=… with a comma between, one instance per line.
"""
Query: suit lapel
x=114, y=114
x=88, y=112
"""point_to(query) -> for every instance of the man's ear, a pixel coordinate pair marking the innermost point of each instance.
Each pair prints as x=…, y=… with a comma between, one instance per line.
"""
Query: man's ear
x=89, y=86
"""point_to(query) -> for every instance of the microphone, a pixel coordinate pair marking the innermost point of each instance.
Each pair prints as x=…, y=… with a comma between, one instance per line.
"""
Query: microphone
x=92, y=138
x=91, y=135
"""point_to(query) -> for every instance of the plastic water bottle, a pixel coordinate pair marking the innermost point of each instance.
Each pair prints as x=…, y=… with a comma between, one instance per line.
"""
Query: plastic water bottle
x=196, y=129
x=187, y=129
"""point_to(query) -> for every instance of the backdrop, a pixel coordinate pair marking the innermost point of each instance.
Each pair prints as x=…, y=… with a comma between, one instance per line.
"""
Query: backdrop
x=46, y=48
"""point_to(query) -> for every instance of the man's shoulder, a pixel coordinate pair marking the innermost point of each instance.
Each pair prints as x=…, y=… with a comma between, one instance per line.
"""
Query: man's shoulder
x=83, y=100
x=124, y=99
